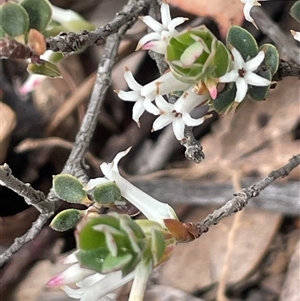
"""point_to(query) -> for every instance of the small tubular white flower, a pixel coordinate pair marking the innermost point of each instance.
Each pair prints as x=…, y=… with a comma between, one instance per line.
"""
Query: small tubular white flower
x=247, y=7
x=149, y=206
x=144, y=95
x=91, y=286
x=296, y=35
x=178, y=113
x=157, y=40
x=243, y=75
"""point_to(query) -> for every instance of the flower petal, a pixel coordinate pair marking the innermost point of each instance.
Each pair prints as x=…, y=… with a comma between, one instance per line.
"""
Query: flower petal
x=163, y=105
x=129, y=95
x=165, y=14
x=241, y=89
x=150, y=207
x=152, y=36
x=143, y=271
x=256, y=80
x=153, y=24
x=188, y=120
x=238, y=61
x=156, y=46
x=109, y=283
x=161, y=122
x=165, y=84
x=137, y=110
x=229, y=77
x=178, y=128
x=246, y=11
x=150, y=107
x=175, y=22
x=254, y=63
x=72, y=274
x=130, y=80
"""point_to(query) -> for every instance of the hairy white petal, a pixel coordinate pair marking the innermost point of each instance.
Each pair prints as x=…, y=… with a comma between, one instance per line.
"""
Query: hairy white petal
x=254, y=63
x=242, y=89
x=161, y=122
x=178, y=128
x=256, y=80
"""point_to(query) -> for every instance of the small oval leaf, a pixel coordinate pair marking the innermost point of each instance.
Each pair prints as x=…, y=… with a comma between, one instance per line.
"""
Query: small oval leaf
x=295, y=11
x=225, y=99
x=66, y=220
x=271, y=60
x=69, y=188
x=243, y=41
x=107, y=193
x=39, y=11
x=36, y=41
x=92, y=259
x=260, y=93
x=14, y=19
x=45, y=68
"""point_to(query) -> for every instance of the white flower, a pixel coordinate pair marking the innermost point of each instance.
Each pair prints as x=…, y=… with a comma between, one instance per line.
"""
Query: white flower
x=296, y=35
x=243, y=75
x=247, y=7
x=158, y=40
x=149, y=206
x=178, y=113
x=91, y=286
x=143, y=95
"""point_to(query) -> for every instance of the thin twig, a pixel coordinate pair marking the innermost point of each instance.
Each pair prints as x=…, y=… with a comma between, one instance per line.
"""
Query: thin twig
x=30, y=195
x=74, y=164
x=240, y=199
x=284, y=42
x=67, y=42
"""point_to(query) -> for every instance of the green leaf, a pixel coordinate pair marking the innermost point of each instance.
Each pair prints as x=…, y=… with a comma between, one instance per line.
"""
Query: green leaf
x=114, y=263
x=45, y=68
x=88, y=238
x=107, y=193
x=2, y=33
x=92, y=259
x=271, y=60
x=243, y=41
x=158, y=246
x=66, y=219
x=69, y=188
x=260, y=93
x=39, y=11
x=295, y=11
x=225, y=99
x=211, y=59
x=220, y=59
x=14, y=19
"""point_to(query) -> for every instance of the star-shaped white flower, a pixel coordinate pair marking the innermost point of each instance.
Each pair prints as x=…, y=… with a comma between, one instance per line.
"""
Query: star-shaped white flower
x=178, y=113
x=157, y=40
x=144, y=95
x=243, y=75
x=141, y=101
x=247, y=7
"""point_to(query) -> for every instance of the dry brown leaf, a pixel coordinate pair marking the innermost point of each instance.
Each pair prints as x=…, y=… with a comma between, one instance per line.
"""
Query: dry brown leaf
x=223, y=12
x=16, y=225
x=197, y=265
